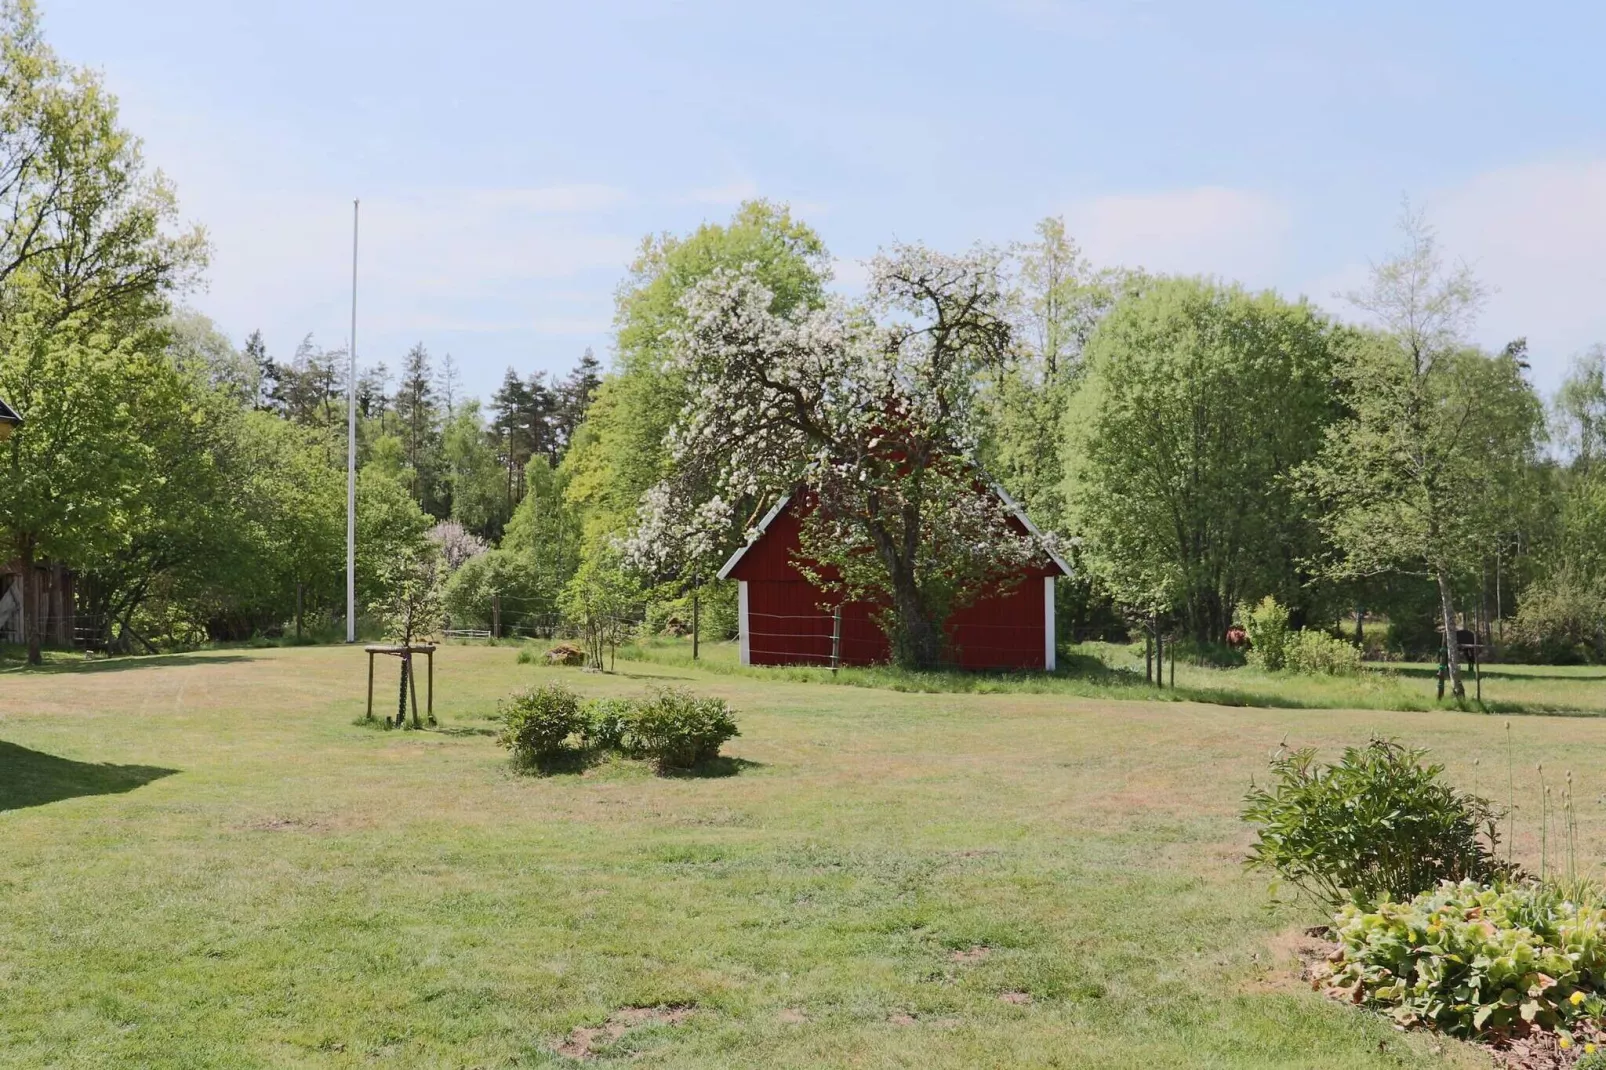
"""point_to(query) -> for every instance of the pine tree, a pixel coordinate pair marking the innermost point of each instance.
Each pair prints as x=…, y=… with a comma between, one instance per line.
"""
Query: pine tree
x=450, y=385
x=420, y=426
x=269, y=389
x=415, y=402
x=574, y=398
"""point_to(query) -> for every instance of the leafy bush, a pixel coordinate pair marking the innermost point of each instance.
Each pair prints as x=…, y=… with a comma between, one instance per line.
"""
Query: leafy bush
x=1378, y=824
x=1471, y=960
x=679, y=729
x=608, y=724
x=1267, y=627
x=1317, y=653
x=539, y=722
x=1561, y=620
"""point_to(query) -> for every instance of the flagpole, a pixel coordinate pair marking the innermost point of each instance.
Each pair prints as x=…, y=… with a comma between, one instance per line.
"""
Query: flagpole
x=351, y=449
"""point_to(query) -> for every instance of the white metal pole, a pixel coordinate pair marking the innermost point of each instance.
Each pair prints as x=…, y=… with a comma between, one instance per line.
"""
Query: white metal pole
x=351, y=449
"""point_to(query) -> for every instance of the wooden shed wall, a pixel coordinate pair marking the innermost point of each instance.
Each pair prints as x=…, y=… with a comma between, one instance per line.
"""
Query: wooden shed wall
x=784, y=623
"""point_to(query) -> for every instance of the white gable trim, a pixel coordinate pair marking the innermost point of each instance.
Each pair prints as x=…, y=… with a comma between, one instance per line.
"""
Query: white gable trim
x=763, y=526
x=1048, y=623
x=741, y=617
x=1020, y=514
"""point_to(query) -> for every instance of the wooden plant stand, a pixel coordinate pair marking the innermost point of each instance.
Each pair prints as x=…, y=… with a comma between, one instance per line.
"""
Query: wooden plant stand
x=405, y=653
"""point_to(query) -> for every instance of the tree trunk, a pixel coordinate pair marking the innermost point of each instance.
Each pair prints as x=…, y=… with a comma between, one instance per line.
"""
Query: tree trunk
x=30, y=599
x=1452, y=648
x=916, y=638
x=401, y=698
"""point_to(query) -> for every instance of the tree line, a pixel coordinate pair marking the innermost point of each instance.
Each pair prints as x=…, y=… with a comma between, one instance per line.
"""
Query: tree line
x=1193, y=445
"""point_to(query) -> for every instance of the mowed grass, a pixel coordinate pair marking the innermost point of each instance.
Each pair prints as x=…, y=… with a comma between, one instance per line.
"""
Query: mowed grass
x=1111, y=671
x=204, y=863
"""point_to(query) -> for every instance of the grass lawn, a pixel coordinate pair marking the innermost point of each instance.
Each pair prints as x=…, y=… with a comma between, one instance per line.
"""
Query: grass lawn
x=204, y=863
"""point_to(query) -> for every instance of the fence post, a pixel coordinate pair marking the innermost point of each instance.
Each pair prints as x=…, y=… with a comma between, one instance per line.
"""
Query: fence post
x=836, y=639
x=696, y=613
x=300, y=600
x=1159, y=654
x=496, y=616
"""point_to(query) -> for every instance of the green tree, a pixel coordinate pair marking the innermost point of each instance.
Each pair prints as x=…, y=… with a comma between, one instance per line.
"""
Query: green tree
x=600, y=600
x=1198, y=399
x=90, y=253
x=1424, y=471
x=290, y=505
x=390, y=528
x=619, y=451
x=420, y=429
x=472, y=473
x=181, y=534
x=74, y=468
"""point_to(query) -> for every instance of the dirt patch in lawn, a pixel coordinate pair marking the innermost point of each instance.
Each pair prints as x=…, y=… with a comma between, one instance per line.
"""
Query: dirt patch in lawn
x=583, y=1042
x=285, y=824
x=970, y=956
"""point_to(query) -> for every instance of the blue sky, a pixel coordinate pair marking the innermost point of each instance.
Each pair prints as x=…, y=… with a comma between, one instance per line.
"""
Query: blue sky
x=510, y=156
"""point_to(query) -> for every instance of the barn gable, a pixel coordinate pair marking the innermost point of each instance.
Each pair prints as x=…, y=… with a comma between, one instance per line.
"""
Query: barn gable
x=782, y=622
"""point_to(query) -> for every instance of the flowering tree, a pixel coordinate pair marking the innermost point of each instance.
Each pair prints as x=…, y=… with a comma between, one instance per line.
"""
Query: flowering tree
x=457, y=543
x=872, y=410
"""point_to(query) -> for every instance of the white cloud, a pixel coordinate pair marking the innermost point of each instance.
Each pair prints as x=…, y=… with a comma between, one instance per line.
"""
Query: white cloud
x=1233, y=233
x=427, y=260
x=1536, y=233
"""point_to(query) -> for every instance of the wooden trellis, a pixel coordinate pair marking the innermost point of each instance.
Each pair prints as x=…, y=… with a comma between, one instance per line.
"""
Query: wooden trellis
x=406, y=654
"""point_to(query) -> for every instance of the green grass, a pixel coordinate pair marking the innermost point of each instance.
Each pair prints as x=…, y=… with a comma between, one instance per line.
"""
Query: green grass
x=1110, y=671
x=206, y=864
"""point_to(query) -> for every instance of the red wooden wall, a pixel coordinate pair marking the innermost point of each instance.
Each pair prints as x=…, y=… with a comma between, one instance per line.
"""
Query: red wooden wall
x=786, y=626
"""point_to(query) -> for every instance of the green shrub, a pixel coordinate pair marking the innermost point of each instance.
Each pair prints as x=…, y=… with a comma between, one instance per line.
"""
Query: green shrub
x=608, y=724
x=1317, y=653
x=539, y=722
x=1471, y=960
x=1267, y=627
x=680, y=730
x=1377, y=824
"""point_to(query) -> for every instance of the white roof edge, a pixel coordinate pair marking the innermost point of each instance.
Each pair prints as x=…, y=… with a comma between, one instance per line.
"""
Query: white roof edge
x=1020, y=513
x=763, y=526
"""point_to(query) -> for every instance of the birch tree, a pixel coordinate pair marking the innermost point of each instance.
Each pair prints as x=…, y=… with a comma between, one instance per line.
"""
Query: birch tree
x=1421, y=474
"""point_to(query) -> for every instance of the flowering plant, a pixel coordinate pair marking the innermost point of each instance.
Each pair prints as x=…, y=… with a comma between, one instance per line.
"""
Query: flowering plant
x=1476, y=960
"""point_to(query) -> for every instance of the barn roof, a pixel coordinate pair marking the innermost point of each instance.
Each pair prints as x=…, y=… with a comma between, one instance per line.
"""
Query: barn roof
x=8, y=414
x=1014, y=507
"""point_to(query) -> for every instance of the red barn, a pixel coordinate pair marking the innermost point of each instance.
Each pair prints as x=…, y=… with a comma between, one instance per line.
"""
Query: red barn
x=782, y=622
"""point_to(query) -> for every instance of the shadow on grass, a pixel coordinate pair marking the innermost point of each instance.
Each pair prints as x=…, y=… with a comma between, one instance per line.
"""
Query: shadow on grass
x=464, y=730
x=722, y=766
x=33, y=778
x=578, y=762
x=122, y=663
x=566, y=763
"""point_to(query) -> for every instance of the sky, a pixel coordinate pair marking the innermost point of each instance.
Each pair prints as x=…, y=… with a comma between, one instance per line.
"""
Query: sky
x=511, y=156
